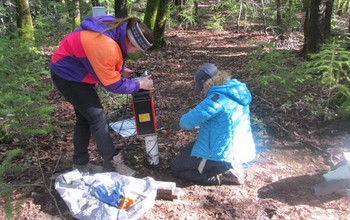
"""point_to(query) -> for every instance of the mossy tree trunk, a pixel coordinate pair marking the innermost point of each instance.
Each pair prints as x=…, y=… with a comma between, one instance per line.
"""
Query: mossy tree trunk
x=151, y=13
x=159, y=27
x=24, y=20
x=76, y=13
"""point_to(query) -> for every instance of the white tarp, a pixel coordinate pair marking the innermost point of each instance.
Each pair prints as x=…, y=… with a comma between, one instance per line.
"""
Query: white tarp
x=125, y=127
x=78, y=193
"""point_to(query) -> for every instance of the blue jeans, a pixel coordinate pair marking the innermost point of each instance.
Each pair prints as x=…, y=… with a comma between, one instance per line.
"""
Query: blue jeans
x=90, y=120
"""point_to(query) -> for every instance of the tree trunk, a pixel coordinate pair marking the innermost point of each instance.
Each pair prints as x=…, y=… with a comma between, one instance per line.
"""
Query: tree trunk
x=24, y=20
x=314, y=27
x=328, y=18
x=263, y=11
x=349, y=26
x=76, y=13
x=179, y=2
x=306, y=28
x=120, y=8
x=95, y=2
x=159, y=27
x=240, y=14
x=279, y=12
x=151, y=13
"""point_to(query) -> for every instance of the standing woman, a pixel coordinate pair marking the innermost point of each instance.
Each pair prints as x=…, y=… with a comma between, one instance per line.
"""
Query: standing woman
x=96, y=53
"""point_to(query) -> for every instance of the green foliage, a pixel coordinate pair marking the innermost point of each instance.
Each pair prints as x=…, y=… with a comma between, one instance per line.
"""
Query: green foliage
x=341, y=7
x=215, y=22
x=244, y=12
x=332, y=67
x=5, y=137
x=236, y=7
x=279, y=78
x=134, y=56
x=8, y=28
x=187, y=13
x=290, y=21
x=9, y=167
x=23, y=107
x=50, y=21
x=275, y=70
x=231, y=6
x=112, y=100
x=117, y=103
x=181, y=16
x=136, y=8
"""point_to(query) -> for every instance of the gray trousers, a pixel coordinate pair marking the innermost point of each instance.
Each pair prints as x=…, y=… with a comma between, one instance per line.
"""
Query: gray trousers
x=186, y=166
x=90, y=120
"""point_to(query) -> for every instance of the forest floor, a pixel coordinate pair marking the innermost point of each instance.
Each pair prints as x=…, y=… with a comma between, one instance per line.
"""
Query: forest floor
x=279, y=183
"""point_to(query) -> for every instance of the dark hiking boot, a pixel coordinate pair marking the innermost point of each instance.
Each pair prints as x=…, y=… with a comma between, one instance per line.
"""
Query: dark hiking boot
x=233, y=176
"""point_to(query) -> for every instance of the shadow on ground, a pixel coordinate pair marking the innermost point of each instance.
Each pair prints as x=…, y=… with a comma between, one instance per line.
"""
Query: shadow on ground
x=297, y=190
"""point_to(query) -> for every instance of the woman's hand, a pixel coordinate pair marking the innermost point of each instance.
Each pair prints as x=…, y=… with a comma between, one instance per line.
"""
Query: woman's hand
x=146, y=83
x=127, y=73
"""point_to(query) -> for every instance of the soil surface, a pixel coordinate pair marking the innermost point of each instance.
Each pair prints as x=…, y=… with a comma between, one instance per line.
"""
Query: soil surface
x=293, y=152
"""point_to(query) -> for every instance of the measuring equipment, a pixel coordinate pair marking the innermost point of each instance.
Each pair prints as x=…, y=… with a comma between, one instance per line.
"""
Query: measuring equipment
x=145, y=121
x=144, y=113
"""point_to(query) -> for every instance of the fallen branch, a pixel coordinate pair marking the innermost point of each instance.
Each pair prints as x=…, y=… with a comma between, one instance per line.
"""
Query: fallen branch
x=45, y=185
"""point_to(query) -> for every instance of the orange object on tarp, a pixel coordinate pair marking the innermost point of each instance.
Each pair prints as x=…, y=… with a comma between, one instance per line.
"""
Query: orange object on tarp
x=126, y=203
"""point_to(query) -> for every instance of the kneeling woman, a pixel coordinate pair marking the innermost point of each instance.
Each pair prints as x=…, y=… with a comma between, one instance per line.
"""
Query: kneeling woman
x=225, y=139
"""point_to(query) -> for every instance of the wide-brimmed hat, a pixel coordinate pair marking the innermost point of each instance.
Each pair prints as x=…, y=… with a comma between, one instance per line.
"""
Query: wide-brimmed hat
x=205, y=72
x=137, y=38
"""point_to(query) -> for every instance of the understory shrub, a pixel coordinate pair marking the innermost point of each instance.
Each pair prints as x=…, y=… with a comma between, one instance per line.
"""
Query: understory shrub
x=24, y=109
x=331, y=67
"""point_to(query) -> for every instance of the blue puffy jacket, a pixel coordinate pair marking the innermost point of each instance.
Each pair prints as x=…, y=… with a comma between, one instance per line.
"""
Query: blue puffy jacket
x=224, y=121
